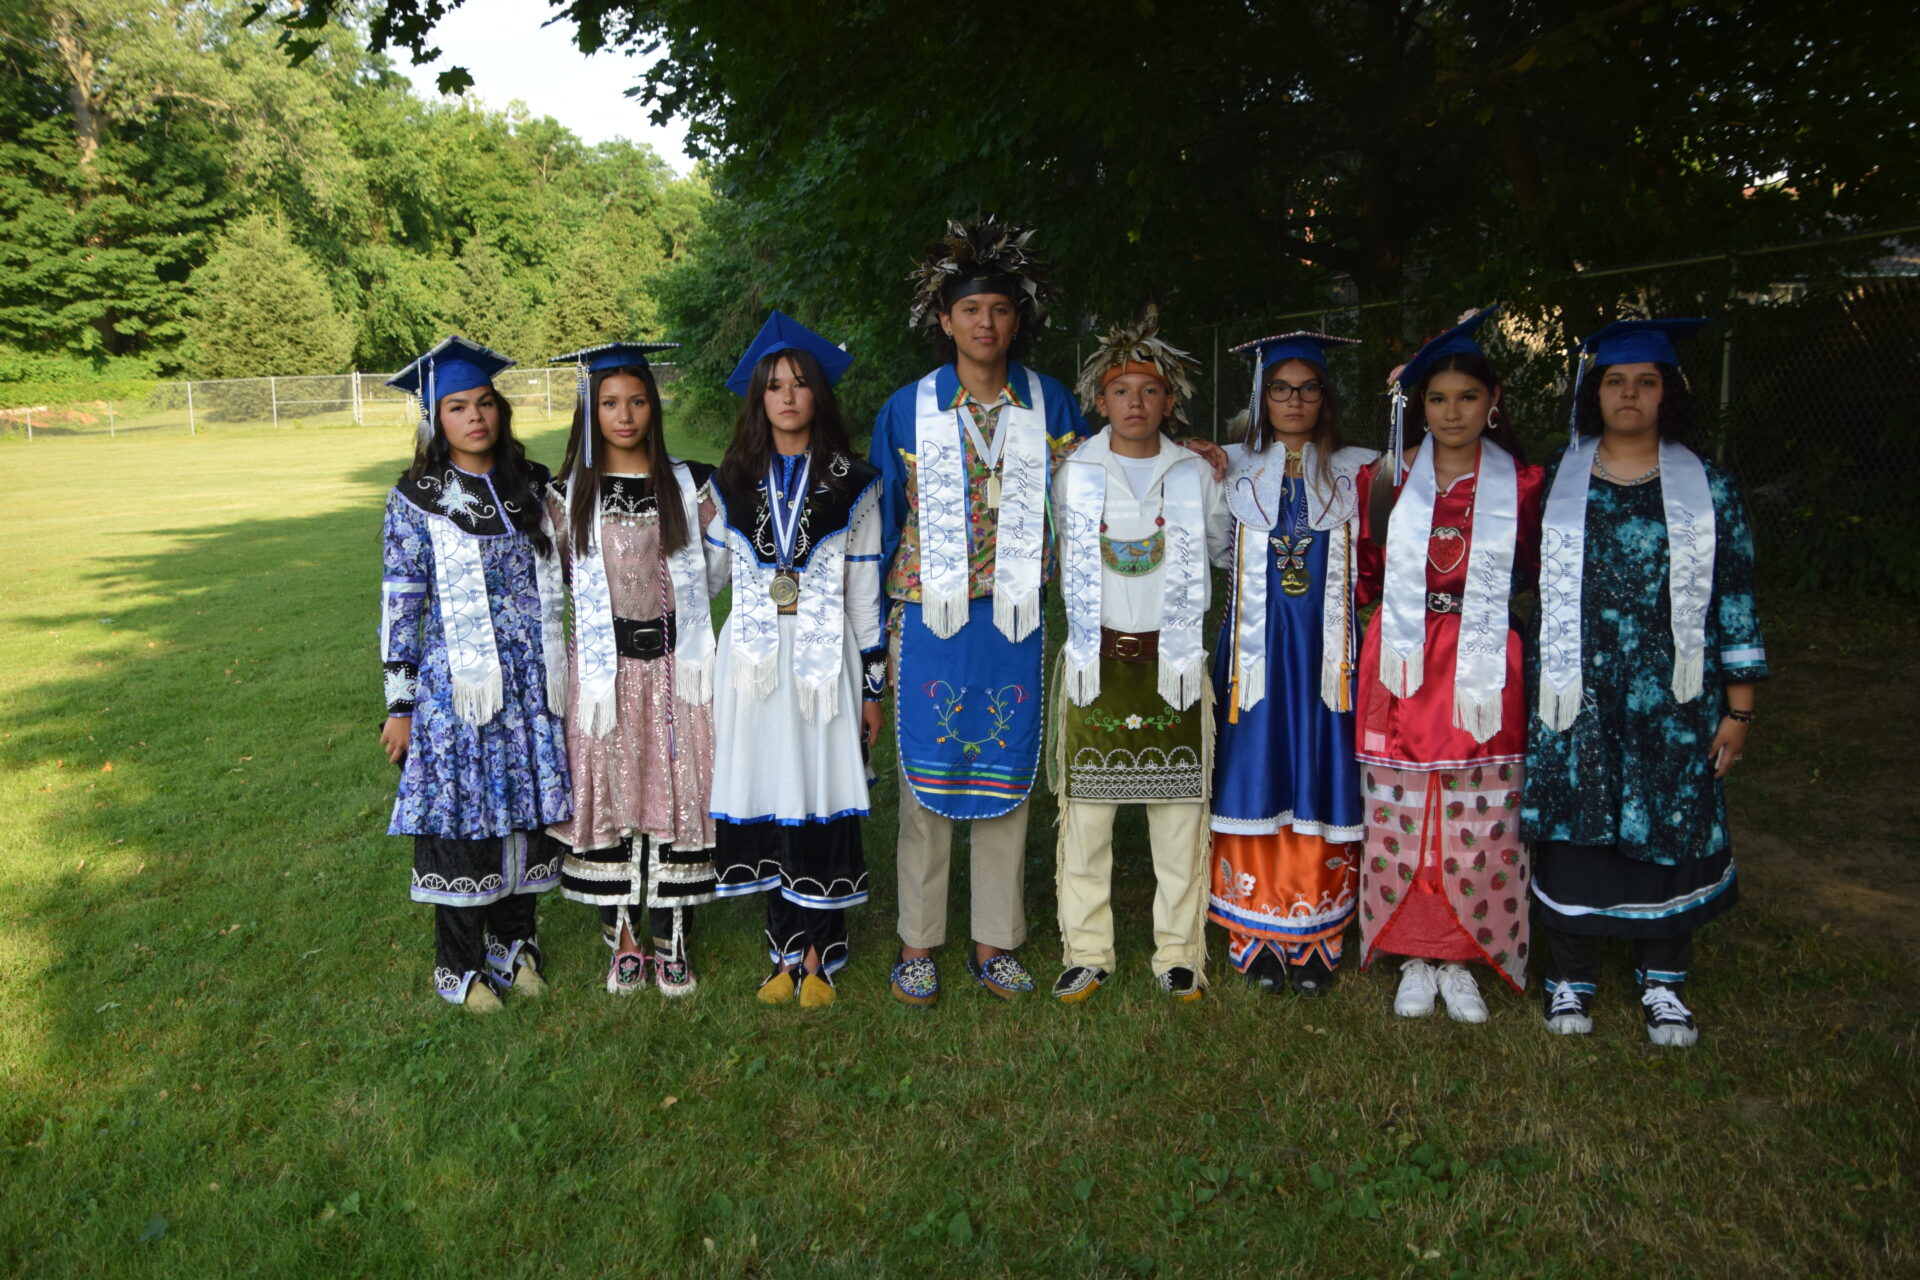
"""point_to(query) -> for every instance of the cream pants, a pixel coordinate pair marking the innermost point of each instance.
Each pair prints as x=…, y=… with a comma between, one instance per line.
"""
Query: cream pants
x=1177, y=832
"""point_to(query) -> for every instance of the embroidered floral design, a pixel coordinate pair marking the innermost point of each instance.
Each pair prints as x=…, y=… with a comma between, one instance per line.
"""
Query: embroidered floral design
x=399, y=687
x=1106, y=721
x=1000, y=706
x=456, y=501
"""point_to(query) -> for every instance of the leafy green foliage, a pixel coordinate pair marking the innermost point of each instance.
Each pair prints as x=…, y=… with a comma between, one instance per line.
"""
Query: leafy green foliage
x=130, y=134
x=259, y=303
x=1239, y=160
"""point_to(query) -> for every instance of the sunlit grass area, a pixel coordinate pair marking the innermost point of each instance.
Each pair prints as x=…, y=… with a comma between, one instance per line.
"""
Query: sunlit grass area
x=219, y=1053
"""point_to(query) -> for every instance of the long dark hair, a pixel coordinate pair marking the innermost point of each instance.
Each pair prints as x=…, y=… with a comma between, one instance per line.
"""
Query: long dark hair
x=1480, y=369
x=673, y=513
x=1678, y=409
x=512, y=473
x=1326, y=438
x=751, y=450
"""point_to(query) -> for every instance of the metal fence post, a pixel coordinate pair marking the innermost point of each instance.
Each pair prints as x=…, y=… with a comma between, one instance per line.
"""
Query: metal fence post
x=1216, y=384
x=29, y=424
x=357, y=420
x=1726, y=362
x=273, y=394
x=549, y=374
x=190, y=430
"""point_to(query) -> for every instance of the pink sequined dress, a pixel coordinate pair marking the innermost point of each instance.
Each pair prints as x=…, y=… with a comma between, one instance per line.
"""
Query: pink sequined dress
x=641, y=831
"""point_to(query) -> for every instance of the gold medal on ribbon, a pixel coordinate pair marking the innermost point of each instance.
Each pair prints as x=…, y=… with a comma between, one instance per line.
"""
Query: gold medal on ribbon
x=784, y=589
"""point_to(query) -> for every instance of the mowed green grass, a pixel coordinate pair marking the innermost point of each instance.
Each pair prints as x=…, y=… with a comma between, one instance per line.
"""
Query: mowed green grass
x=219, y=1053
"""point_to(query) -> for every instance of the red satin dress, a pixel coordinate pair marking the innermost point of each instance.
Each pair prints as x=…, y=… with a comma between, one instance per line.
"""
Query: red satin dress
x=1444, y=875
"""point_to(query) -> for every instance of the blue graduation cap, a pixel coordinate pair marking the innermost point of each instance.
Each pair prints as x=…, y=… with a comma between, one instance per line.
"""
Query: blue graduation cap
x=591, y=360
x=454, y=366
x=1640, y=341
x=1627, y=342
x=782, y=332
x=1301, y=344
x=1456, y=341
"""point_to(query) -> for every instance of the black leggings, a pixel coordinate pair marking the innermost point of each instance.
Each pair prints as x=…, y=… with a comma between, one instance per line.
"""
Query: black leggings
x=463, y=936
x=1660, y=960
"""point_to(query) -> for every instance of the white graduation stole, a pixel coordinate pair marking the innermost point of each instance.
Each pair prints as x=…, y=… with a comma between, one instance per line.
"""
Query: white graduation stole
x=1687, y=500
x=1182, y=661
x=942, y=516
x=1480, y=663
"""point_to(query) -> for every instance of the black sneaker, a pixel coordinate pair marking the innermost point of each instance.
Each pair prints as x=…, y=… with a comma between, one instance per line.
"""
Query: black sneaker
x=1669, y=1021
x=1311, y=979
x=1182, y=983
x=1077, y=982
x=1266, y=973
x=1567, y=1007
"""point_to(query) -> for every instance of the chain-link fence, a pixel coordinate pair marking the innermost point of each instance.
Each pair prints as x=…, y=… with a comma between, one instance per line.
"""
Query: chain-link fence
x=330, y=400
x=1807, y=385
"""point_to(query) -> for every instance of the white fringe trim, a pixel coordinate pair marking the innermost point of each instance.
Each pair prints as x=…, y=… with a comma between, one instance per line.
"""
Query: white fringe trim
x=1688, y=673
x=1403, y=674
x=1180, y=686
x=1016, y=619
x=477, y=702
x=598, y=717
x=1250, y=689
x=945, y=615
x=693, y=684
x=1559, y=707
x=757, y=679
x=1083, y=681
x=1478, y=716
x=819, y=703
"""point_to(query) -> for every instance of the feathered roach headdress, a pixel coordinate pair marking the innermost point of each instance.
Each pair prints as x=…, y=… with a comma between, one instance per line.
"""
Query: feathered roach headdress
x=1139, y=348
x=989, y=256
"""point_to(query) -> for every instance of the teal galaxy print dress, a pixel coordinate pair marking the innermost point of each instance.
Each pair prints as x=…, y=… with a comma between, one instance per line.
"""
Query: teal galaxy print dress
x=1628, y=822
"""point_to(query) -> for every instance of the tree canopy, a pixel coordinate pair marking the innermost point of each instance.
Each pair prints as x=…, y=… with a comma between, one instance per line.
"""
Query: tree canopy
x=1240, y=160
x=132, y=133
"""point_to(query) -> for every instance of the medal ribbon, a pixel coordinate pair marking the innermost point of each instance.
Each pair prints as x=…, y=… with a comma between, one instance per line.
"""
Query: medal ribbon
x=783, y=510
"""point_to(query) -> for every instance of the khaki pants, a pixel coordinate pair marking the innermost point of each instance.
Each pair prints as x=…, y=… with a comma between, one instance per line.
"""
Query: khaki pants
x=1177, y=832
x=998, y=862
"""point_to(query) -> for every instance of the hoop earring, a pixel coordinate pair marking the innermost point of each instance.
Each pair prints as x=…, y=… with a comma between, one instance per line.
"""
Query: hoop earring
x=1493, y=418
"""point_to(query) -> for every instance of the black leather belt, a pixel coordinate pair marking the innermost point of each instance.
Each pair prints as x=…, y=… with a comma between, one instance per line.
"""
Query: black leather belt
x=1443, y=602
x=644, y=640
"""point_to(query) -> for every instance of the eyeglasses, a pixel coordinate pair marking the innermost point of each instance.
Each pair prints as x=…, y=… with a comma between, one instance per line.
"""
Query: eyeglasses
x=1280, y=391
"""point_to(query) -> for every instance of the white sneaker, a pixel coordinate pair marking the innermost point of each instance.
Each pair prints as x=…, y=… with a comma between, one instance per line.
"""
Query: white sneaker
x=1669, y=1021
x=1417, y=988
x=1569, y=1011
x=1462, y=994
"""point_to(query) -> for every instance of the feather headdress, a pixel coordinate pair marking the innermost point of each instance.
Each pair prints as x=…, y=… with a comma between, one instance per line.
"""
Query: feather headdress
x=1139, y=343
x=986, y=250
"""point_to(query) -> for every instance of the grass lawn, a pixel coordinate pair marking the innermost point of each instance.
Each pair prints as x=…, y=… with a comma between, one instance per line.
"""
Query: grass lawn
x=219, y=1052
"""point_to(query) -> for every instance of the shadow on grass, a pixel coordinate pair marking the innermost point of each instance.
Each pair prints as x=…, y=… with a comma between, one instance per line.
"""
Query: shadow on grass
x=225, y=1030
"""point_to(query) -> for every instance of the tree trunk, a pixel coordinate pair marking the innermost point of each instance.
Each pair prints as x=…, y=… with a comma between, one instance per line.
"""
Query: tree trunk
x=78, y=62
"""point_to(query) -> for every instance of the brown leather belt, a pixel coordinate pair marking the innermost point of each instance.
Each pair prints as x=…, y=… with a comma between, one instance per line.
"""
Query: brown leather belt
x=1129, y=646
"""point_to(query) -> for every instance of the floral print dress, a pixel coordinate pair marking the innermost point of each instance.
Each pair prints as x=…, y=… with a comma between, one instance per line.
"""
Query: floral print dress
x=460, y=781
x=1628, y=821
